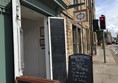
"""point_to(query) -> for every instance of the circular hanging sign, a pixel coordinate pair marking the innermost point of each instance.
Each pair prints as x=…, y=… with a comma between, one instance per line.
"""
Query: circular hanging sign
x=80, y=16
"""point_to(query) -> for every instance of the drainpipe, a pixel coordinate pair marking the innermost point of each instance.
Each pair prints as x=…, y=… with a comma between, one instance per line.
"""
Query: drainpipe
x=90, y=26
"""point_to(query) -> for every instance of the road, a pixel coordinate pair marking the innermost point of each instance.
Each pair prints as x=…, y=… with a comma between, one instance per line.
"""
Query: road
x=114, y=49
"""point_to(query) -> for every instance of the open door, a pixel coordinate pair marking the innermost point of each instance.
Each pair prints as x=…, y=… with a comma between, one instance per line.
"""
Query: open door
x=17, y=38
x=57, y=48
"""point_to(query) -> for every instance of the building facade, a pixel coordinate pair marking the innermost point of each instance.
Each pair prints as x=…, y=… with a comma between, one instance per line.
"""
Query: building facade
x=80, y=34
x=37, y=36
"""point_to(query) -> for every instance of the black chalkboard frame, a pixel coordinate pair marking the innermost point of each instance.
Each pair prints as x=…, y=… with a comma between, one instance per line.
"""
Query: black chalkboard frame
x=90, y=69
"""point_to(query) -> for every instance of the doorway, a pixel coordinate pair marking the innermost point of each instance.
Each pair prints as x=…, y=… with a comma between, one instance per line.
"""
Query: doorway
x=35, y=42
x=33, y=46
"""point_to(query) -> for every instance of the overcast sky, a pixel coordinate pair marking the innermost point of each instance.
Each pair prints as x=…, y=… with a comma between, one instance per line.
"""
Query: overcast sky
x=109, y=8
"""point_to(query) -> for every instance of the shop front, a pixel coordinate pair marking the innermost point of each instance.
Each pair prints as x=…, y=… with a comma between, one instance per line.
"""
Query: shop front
x=37, y=39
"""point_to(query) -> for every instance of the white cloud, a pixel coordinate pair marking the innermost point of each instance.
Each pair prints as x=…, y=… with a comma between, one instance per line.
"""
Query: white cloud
x=109, y=9
x=109, y=27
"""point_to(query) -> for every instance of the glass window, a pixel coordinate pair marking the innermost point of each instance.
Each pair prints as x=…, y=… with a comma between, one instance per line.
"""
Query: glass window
x=75, y=2
x=74, y=40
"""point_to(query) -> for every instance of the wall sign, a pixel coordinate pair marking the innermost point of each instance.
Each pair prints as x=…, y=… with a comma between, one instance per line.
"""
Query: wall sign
x=81, y=15
x=80, y=69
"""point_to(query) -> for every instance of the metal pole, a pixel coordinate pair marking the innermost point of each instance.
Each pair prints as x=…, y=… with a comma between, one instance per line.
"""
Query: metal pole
x=104, y=47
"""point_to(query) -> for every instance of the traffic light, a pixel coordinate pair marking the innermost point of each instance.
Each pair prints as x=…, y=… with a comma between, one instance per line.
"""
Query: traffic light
x=102, y=22
x=95, y=25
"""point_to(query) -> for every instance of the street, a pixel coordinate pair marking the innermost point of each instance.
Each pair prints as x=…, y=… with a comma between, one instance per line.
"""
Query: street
x=114, y=50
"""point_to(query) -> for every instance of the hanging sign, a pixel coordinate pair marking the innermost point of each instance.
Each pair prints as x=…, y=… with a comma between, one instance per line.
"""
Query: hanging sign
x=81, y=15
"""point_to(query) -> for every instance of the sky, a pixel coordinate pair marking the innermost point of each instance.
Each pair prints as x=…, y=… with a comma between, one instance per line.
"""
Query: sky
x=109, y=8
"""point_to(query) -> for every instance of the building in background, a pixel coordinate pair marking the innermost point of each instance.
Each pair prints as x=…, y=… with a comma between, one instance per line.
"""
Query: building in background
x=109, y=38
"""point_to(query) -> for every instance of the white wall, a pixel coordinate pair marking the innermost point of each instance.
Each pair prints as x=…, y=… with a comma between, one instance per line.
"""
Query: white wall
x=34, y=56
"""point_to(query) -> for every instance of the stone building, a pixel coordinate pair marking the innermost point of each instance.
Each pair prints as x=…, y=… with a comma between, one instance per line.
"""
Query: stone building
x=79, y=39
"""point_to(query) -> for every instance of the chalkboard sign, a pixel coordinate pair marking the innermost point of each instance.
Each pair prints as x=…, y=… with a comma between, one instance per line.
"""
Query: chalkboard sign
x=80, y=69
x=58, y=49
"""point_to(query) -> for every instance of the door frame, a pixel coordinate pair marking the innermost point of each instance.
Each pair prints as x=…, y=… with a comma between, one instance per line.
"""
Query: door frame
x=16, y=39
x=16, y=16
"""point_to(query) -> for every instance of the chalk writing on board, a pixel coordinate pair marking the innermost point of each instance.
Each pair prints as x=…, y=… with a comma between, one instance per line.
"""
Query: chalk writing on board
x=80, y=69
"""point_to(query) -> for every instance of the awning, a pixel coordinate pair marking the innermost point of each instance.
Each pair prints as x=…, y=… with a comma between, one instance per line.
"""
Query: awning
x=49, y=8
x=61, y=4
x=75, y=24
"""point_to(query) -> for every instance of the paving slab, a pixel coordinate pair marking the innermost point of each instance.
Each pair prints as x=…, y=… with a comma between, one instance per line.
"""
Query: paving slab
x=105, y=72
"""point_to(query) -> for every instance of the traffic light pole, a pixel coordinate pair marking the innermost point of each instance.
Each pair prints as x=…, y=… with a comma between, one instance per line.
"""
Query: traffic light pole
x=103, y=26
x=104, y=47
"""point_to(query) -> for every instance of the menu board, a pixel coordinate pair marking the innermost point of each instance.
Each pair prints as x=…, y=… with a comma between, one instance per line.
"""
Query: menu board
x=80, y=69
x=58, y=49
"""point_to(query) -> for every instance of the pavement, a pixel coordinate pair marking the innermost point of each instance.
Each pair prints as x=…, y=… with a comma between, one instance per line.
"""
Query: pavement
x=105, y=72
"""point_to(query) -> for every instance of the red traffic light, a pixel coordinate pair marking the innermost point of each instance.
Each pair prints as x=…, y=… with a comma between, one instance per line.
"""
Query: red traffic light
x=102, y=18
x=102, y=22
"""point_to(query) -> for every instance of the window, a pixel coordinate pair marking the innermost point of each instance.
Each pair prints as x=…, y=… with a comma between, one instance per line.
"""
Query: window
x=75, y=2
x=74, y=40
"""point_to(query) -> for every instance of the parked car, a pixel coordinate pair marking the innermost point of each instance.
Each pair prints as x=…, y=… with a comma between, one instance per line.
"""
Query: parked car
x=113, y=42
x=117, y=42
